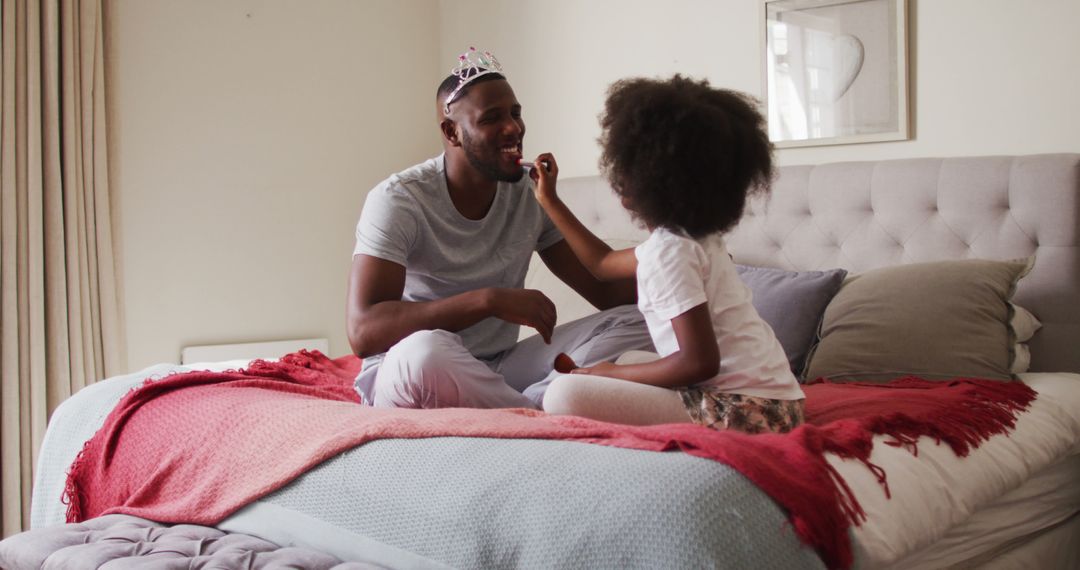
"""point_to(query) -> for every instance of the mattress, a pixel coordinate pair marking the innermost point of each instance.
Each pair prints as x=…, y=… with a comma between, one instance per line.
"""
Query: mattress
x=1046, y=501
x=934, y=491
x=466, y=502
x=1047, y=549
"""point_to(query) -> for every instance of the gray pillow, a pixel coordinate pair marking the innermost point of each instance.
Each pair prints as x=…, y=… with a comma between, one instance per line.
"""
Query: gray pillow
x=936, y=320
x=792, y=302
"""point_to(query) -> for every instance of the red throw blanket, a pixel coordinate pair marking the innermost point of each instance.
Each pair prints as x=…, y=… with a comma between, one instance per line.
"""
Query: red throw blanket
x=195, y=447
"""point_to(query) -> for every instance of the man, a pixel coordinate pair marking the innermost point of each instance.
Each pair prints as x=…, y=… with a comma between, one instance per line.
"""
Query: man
x=435, y=297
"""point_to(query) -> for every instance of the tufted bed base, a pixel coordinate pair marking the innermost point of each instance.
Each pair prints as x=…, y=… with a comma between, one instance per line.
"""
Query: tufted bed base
x=121, y=541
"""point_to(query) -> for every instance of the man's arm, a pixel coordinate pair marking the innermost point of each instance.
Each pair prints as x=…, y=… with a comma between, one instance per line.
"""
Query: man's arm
x=560, y=259
x=377, y=318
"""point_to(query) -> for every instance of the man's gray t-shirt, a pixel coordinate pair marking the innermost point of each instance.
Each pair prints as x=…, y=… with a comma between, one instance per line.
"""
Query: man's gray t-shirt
x=410, y=220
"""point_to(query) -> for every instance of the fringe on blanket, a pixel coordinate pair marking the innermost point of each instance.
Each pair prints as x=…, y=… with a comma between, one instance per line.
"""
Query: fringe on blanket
x=843, y=418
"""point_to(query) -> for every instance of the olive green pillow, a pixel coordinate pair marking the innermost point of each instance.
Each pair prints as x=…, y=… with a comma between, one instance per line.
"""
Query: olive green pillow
x=936, y=320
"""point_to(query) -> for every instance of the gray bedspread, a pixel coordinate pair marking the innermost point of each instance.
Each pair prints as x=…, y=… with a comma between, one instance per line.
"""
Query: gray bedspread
x=486, y=503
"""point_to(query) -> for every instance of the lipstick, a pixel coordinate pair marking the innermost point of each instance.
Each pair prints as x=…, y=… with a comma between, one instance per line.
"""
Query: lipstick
x=527, y=164
x=564, y=364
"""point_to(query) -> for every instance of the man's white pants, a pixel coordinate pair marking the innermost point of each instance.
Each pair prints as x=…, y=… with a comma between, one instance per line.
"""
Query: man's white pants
x=432, y=369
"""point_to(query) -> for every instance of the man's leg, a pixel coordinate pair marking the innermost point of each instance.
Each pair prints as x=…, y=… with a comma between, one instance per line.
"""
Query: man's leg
x=604, y=336
x=431, y=369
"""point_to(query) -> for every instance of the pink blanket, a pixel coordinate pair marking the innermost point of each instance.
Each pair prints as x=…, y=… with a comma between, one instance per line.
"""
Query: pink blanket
x=196, y=447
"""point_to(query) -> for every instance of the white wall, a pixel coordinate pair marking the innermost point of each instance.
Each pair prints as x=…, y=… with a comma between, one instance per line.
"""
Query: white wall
x=244, y=137
x=561, y=55
x=988, y=76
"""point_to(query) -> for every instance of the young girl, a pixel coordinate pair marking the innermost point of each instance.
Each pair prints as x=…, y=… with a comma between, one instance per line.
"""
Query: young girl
x=682, y=157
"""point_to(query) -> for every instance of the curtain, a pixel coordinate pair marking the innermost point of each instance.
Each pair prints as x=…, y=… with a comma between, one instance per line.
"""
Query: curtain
x=59, y=310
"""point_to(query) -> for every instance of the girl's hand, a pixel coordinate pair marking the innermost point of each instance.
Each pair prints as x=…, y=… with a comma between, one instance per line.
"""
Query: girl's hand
x=598, y=369
x=545, y=172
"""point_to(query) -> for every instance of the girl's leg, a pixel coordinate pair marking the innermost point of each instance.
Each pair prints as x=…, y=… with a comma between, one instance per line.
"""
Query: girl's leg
x=613, y=400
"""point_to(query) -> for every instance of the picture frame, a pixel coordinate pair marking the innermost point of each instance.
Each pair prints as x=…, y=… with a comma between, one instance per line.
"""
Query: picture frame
x=836, y=71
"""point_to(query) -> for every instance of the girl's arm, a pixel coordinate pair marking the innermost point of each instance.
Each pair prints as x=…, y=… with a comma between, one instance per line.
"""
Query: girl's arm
x=603, y=262
x=697, y=359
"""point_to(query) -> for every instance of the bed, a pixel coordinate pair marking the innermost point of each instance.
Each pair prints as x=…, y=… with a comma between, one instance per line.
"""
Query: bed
x=468, y=502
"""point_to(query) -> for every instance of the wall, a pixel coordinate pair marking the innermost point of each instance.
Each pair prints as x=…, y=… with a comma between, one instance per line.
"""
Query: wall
x=560, y=56
x=988, y=76
x=244, y=137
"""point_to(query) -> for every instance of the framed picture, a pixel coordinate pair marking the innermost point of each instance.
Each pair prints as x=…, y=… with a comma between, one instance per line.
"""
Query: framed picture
x=836, y=71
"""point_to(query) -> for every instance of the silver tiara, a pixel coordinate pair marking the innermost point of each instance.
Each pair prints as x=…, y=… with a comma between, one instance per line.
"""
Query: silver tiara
x=471, y=64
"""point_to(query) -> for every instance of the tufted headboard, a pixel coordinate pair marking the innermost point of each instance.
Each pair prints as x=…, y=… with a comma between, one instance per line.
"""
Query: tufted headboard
x=863, y=215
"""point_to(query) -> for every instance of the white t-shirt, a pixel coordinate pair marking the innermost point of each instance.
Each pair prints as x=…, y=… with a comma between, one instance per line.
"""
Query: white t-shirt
x=409, y=219
x=677, y=273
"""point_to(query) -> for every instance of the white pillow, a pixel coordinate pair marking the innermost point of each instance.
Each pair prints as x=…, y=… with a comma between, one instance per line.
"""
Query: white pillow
x=1021, y=358
x=1024, y=325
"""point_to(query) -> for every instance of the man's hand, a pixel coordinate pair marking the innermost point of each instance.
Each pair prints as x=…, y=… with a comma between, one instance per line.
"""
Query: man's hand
x=545, y=172
x=527, y=307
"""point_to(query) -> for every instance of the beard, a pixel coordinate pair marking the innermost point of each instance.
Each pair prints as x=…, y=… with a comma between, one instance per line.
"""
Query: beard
x=489, y=166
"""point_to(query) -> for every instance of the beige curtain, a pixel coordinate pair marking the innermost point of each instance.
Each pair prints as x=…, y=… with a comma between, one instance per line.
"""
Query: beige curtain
x=59, y=319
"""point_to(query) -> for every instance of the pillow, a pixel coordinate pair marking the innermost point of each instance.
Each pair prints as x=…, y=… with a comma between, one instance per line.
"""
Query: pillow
x=1025, y=325
x=936, y=320
x=792, y=303
x=1021, y=358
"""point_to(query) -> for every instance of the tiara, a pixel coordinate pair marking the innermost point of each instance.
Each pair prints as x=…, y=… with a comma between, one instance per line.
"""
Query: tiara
x=471, y=64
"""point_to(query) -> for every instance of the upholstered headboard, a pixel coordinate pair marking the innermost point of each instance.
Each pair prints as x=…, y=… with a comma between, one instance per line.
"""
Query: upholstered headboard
x=863, y=215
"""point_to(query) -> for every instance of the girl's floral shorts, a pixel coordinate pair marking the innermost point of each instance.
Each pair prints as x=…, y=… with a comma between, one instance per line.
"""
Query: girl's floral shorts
x=722, y=410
